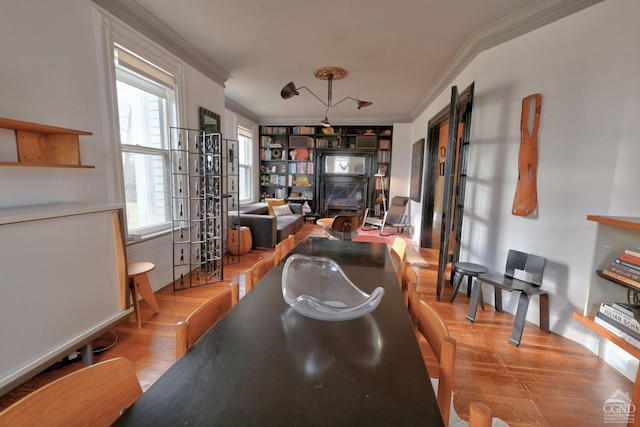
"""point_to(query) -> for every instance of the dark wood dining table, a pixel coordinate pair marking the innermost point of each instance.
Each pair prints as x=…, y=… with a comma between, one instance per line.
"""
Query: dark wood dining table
x=265, y=364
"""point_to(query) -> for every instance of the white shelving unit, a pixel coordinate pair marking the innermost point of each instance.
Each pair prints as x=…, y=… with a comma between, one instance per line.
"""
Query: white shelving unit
x=614, y=235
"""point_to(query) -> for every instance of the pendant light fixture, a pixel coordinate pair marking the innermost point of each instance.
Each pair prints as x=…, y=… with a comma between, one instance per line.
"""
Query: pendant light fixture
x=325, y=73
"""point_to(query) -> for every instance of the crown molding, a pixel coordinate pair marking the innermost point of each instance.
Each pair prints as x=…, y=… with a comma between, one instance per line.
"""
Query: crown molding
x=514, y=25
x=140, y=19
x=240, y=110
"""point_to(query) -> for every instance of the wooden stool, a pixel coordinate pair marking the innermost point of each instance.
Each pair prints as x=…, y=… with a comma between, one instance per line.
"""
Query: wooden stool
x=470, y=270
x=139, y=285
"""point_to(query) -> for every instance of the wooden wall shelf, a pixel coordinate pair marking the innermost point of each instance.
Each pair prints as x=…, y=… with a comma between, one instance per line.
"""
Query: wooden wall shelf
x=630, y=222
x=42, y=145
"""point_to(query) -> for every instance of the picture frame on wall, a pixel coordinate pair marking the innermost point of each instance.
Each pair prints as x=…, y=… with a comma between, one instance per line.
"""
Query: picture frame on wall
x=209, y=121
x=417, y=154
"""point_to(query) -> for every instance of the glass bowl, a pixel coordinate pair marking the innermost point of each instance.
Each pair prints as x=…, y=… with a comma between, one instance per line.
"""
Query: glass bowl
x=317, y=287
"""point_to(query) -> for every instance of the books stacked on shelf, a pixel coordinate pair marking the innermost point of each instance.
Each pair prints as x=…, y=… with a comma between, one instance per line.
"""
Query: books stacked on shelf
x=274, y=130
x=268, y=142
x=384, y=156
x=304, y=130
x=619, y=319
x=301, y=167
x=625, y=269
x=321, y=143
x=277, y=180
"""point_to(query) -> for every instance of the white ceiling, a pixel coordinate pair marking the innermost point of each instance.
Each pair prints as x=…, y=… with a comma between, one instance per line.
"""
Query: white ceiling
x=397, y=54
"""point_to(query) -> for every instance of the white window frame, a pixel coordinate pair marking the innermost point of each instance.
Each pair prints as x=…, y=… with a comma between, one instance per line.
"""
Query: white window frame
x=113, y=32
x=164, y=89
x=245, y=151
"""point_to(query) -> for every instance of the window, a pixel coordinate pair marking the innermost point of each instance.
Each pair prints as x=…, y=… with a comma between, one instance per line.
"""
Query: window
x=245, y=146
x=146, y=105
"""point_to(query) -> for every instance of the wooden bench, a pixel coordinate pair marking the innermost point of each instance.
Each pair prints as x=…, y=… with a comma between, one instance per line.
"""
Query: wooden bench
x=532, y=266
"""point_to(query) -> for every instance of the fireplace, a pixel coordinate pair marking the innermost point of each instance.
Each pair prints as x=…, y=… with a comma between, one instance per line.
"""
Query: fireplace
x=343, y=195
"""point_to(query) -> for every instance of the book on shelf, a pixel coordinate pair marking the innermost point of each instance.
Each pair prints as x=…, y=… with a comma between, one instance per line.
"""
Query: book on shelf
x=617, y=332
x=632, y=253
x=623, y=319
x=624, y=272
x=601, y=317
x=631, y=310
x=629, y=266
x=630, y=257
x=620, y=278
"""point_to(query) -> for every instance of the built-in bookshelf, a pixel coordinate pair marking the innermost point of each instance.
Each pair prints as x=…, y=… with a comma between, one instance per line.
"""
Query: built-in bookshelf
x=614, y=236
x=289, y=157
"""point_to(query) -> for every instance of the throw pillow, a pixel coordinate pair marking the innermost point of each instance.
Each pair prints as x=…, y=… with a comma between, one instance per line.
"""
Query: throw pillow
x=273, y=202
x=282, y=210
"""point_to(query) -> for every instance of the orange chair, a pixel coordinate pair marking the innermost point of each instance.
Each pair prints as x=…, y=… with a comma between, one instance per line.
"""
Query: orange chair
x=257, y=271
x=91, y=396
x=283, y=248
x=188, y=331
x=432, y=326
x=398, y=254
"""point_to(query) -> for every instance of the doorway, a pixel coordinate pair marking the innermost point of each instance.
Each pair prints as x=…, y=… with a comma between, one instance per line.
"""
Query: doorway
x=445, y=180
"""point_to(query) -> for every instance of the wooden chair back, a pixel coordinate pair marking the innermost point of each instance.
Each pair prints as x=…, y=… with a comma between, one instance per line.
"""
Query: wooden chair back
x=399, y=248
x=398, y=254
x=188, y=331
x=480, y=415
x=283, y=248
x=344, y=227
x=433, y=328
x=257, y=271
x=235, y=293
x=407, y=275
x=93, y=396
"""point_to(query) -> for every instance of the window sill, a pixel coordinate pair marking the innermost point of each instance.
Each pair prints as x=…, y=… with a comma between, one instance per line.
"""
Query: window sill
x=139, y=238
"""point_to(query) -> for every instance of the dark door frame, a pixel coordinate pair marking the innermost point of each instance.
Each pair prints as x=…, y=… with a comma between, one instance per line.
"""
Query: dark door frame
x=455, y=173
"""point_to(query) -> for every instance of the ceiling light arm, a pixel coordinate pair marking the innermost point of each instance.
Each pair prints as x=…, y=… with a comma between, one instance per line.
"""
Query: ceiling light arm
x=318, y=98
x=325, y=73
x=344, y=99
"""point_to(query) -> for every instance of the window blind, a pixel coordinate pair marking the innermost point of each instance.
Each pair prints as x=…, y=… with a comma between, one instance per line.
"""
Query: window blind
x=131, y=61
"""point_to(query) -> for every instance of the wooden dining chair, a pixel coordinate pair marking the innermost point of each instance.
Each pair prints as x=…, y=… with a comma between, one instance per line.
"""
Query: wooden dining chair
x=407, y=275
x=188, y=331
x=93, y=396
x=283, y=248
x=398, y=253
x=480, y=415
x=257, y=271
x=235, y=293
x=433, y=328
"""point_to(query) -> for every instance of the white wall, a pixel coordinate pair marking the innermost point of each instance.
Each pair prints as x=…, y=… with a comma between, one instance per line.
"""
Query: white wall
x=230, y=127
x=50, y=74
x=586, y=67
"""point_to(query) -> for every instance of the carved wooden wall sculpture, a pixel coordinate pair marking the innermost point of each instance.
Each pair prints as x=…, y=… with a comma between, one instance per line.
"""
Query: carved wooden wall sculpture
x=526, y=198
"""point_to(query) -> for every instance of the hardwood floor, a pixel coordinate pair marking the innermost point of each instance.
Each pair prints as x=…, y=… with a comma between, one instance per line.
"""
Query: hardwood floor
x=547, y=381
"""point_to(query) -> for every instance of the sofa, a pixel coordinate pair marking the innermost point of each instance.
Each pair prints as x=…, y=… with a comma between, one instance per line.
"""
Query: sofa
x=268, y=230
